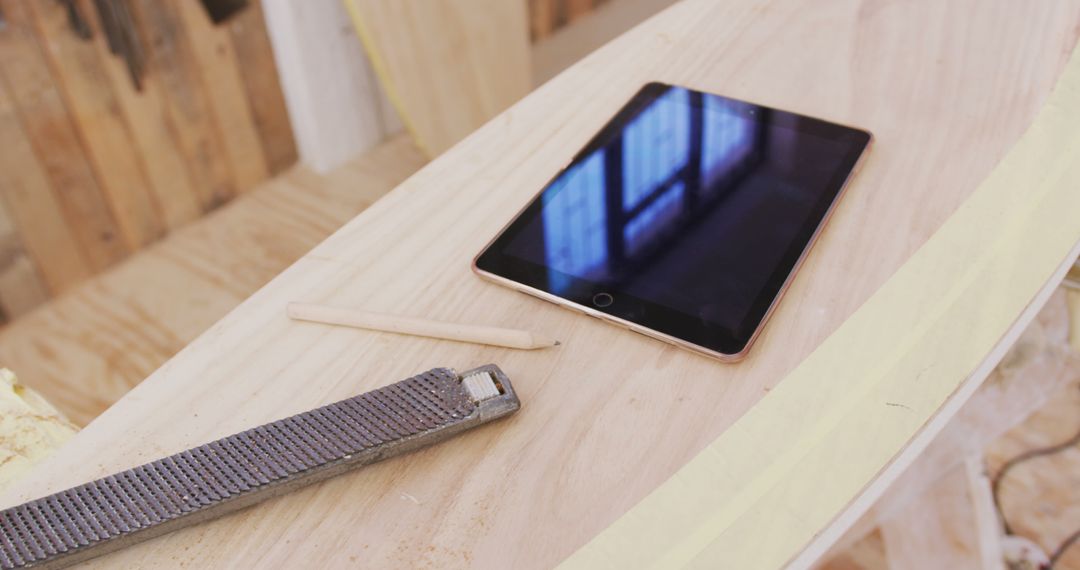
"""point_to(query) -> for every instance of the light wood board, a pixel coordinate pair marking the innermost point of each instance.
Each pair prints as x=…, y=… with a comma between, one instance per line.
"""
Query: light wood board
x=922, y=346
x=447, y=66
x=609, y=415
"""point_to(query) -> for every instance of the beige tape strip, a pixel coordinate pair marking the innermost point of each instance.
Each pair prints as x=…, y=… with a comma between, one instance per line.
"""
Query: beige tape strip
x=759, y=494
x=378, y=65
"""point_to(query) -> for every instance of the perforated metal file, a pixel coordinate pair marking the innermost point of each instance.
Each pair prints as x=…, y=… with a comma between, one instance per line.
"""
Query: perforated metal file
x=235, y=472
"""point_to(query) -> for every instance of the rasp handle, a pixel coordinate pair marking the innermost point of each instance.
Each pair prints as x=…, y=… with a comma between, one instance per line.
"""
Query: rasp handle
x=217, y=478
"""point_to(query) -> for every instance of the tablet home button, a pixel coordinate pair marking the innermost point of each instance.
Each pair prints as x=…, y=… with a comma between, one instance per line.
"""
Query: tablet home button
x=603, y=300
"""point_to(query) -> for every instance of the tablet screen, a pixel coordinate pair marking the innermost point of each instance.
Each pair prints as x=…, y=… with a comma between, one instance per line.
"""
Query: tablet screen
x=685, y=215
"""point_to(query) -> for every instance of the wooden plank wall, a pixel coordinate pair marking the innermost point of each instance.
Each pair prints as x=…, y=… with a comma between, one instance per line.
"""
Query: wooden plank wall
x=94, y=168
x=546, y=16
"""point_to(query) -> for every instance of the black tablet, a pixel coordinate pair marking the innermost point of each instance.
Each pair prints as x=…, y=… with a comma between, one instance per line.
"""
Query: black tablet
x=683, y=219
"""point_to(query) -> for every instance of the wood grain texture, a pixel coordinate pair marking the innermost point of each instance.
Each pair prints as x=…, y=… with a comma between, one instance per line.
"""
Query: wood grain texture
x=611, y=414
x=152, y=133
x=172, y=59
x=921, y=346
x=259, y=73
x=220, y=71
x=447, y=66
x=106, y=138
x=96, y=167
x=87, y=349
x=50, y=130
x=33, y=209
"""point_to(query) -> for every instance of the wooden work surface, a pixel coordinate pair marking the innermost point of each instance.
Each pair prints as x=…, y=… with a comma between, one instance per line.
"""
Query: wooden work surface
x=946, y=87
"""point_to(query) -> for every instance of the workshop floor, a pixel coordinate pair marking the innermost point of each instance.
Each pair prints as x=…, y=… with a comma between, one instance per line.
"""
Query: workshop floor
x=1039, y=497
x=86, y=349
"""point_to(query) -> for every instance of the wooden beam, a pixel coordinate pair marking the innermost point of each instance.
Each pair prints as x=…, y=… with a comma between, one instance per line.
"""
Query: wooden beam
x=576, y=9
x=334, y=101
x=145, y=111
x=541, y=18
x=30, y=207
x=263, y=84
x=171, y=58
x=218, y=67
x=51, y=133
x=105, y=135
x=448, y=66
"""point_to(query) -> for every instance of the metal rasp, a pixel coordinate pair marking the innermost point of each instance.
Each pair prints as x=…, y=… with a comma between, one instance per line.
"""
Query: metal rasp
x=240, y=470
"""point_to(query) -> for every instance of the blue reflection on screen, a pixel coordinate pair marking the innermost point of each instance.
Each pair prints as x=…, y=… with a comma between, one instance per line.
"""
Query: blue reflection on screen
x=687, y=203
x=671, y=149
x=574, y=233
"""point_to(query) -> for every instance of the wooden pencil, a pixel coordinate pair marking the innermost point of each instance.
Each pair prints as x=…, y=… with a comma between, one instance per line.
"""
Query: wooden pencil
x=399, y=324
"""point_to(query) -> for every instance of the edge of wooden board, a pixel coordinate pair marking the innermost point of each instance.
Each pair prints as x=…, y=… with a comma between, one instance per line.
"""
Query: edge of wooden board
x=882, y=404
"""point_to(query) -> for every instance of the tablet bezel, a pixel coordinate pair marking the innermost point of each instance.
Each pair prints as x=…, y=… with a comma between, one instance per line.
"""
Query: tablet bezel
x=642, y=315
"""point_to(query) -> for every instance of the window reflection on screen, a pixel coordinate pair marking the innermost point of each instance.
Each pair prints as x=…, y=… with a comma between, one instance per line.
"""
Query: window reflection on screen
x=574, y=232
x=692, y=205
x=663, y=154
